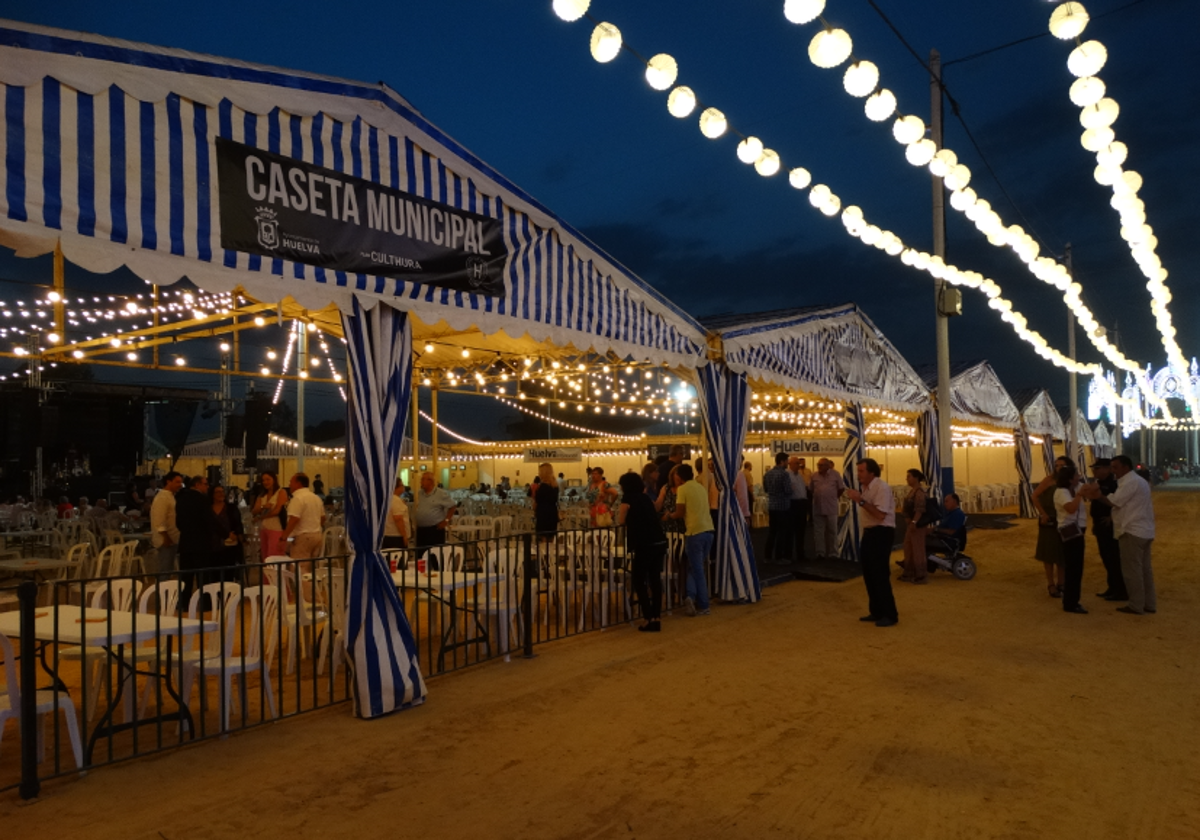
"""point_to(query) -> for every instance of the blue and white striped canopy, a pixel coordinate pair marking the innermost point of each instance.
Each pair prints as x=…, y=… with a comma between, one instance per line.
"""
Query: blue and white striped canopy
x=1038, y=413
x=976, y=394
x=109, y=146
x=834, y=352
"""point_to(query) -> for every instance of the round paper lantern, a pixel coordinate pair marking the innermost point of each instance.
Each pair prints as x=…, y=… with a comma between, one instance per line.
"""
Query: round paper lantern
x=871, y=235
x=1068, y=21
x=661, y=71
x=830, y=47
x=958, y=177
x=802, y=11
x=831, y=206
x=1087, y=59
x=852, y=212
x=1087, y=91
x=712, y=123
x=767, y=163
x=861, y=78
x=681, y=101
x=819, y=194
x=1101, y=115
x=1095, y=139
x=960, y=200
x=1132, y=180
x=894, y=246
x=571, y=10
x=1105, y=175
x=799, y=177
x=750, y=150
x=1112, y=155
x=943, y=162
x=606, y=42
x=880, y=105
x=921, y=152
x=908, y=130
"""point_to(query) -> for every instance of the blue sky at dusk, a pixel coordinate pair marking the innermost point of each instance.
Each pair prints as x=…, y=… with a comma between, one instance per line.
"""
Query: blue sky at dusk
x=595, y=144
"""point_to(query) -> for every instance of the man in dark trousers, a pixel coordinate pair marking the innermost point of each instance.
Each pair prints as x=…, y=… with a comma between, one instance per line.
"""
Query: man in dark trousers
x=777, y=484
x=877, y=518
x=199, y=533
x=1102, y=528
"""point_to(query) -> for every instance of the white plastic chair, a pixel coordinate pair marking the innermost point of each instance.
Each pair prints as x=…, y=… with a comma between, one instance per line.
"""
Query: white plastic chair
x=302, y=619
x=47, y=702
x=334, y=543
x=336, y=600
x=167, y=593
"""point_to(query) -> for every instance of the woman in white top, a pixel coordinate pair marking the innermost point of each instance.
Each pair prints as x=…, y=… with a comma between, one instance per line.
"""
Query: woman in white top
x=267, y=508
x=1072, y=523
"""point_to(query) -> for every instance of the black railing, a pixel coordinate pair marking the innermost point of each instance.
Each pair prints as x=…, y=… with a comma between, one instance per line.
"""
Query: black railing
x=149, y=662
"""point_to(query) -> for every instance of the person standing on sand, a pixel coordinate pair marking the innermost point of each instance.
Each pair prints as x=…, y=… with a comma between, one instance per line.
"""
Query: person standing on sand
x=878, y=509
x=1133, y=525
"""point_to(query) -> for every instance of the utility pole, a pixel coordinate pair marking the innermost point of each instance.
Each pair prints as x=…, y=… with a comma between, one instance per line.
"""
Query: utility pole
x=1072, y=430
x=942, y=289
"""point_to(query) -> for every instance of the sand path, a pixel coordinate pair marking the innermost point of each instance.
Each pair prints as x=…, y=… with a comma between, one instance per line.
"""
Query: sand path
x=988, y=712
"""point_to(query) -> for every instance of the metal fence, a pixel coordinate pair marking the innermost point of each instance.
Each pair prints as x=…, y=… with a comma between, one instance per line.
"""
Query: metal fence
x=119, y=667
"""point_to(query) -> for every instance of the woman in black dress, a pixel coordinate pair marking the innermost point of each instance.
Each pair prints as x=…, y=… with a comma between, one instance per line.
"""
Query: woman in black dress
x=545, y=503
x=229, y=552
x=645, y=540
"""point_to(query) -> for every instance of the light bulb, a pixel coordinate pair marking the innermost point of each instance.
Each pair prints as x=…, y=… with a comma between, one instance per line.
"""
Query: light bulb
x=661, y=71
x=606, y=42
x=802, y=11
x=1068, y=21
x=908, y=130
x=712, y=123
x=1087, y=59
x=1095, y=139
x=750, y=150
x=1101, y=115
x=880, y=105
x=799, y=177
x=861, y=78
x=768, y=163
x=921, y=152
x=681, y=101
x=830, y=47
x=571, y=10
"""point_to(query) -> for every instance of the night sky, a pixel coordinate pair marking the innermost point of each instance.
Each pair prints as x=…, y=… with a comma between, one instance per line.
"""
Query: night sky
x=595, y=143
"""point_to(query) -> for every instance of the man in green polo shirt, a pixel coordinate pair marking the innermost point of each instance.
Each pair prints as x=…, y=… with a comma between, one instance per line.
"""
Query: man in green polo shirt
x=691, y=505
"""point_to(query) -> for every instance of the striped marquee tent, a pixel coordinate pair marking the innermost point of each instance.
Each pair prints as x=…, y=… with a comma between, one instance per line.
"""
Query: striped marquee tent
x=830, y=352
x=1105, y=445
x=176, y=164
x=1039, y=418
x=1082, y=438
x=976, y=394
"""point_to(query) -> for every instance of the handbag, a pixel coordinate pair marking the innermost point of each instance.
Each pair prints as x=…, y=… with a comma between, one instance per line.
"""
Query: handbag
x=1070, y=531
x=604, y=520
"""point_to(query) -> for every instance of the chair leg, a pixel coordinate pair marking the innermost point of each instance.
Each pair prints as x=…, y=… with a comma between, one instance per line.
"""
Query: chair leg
x=73, y=733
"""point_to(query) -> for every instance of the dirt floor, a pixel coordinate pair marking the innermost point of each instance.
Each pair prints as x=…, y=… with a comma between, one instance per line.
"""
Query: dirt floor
x=988, y=712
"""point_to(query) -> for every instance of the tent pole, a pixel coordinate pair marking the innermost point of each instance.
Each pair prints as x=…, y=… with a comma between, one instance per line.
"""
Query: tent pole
x=301, y=371
x=433, y=429
x=414, y=480
x=60, y=288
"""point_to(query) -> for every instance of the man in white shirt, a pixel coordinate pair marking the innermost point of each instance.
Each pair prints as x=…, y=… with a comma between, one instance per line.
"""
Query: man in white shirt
x=164, y=532
x=395, y=529
x=877, y=516
x=1133, y=526
x=306, y=519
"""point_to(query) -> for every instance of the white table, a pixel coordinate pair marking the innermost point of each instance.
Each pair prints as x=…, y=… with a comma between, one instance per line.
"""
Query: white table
x=444, y=586
x=111, y=630
x=33, y=565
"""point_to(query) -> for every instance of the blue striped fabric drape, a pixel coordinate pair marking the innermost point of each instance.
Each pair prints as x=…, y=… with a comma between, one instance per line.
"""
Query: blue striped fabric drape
x=379, y=641
x=1048, y=453
x=930, y=453
x=724, y=398
x=1024, y=458
x=849, y=535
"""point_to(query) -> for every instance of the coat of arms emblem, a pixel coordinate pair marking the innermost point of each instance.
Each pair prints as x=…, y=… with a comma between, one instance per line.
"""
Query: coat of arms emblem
x=268, y=228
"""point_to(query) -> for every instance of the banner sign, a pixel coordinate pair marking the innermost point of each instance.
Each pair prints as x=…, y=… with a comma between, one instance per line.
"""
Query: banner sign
x=810, y=446
x=543, y=454
x=276, y=206
x=655, y=450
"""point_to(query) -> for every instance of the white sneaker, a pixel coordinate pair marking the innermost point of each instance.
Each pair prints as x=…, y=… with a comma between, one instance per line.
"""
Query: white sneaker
x=689, y=606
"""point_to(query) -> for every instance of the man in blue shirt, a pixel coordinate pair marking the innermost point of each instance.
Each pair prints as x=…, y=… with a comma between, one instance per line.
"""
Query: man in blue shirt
x=952, y=526
x=778, y=485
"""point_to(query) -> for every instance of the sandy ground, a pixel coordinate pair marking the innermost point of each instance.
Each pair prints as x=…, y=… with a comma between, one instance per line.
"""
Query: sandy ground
x=988, y=712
